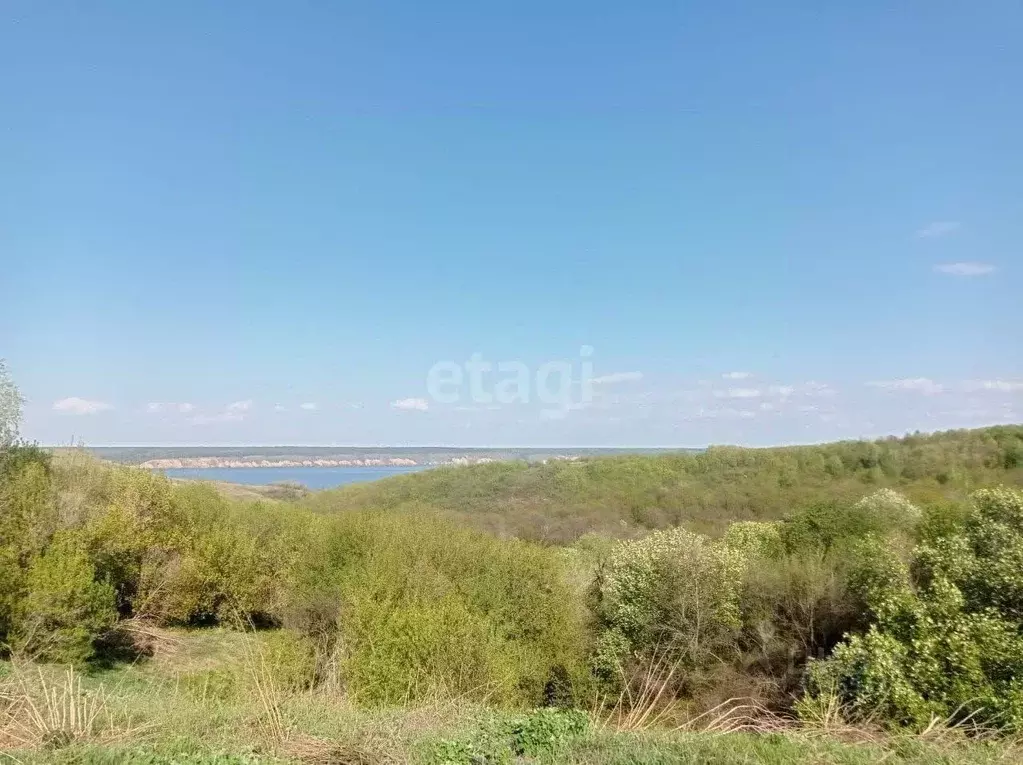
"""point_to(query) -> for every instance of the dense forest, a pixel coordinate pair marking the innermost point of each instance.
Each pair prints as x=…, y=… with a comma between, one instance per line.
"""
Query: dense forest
x=627, y=609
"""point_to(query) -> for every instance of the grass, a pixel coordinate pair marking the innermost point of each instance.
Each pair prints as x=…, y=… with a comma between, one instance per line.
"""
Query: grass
x=209, y=697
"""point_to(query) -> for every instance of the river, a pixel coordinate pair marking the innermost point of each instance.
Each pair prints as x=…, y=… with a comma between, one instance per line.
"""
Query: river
x=310, y=477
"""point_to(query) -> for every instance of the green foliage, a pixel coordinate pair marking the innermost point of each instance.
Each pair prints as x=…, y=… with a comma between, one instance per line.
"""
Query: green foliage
x=397, y=607
x=27, y=520
x=290, y=658
x=755, y=539
x=548, y=731
x=65, y=609
x=672, y=597
x=427, y=607
x=623, y=496
x=543, y=734
x=947, y=641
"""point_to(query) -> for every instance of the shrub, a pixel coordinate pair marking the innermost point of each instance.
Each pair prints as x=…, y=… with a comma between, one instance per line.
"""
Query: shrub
x=948, y=642
x=673, y=591
x=755, y=539
x=65, y=609
x=26, y=523
x=888, y=505
x=425, y=607
x=823, y=527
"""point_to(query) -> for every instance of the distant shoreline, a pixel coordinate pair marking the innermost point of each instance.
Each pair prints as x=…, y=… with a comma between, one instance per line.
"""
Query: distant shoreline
x=224, y=462
x=169, y=458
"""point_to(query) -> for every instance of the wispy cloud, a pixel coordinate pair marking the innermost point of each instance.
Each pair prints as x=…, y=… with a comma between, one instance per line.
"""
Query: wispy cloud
x=233, y=412
x=938, y=228
x=158, y=407
x=816, y=389
x=411, y=404
x=724, y=413
x=617, y=377
x=76, y=405
x=737, y=375
x=922, y=385
x=207, y=419
x=309, y=406
x=739, y=393
x=996, y=386
x=965, y=268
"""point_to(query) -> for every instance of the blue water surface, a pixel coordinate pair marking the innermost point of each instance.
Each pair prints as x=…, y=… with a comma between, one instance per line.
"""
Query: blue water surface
x=310, y=477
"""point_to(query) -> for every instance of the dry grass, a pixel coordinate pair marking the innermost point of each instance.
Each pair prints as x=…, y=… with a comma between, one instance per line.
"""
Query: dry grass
x=648, y=702
x=37, y=711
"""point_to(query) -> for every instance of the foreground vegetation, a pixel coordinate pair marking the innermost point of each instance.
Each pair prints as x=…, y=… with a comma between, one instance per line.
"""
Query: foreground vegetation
x=831, y=620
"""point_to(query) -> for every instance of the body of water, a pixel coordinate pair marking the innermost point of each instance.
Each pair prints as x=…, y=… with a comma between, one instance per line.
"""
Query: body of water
x=310, y=477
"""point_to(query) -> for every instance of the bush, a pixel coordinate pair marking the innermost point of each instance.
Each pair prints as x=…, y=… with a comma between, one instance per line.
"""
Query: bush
x=26, y=523
x=947, y=642
x=65, y=609
x=425, y=607
x=673, y=593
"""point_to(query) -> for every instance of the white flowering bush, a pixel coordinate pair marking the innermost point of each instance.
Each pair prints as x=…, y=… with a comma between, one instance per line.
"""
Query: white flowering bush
x=673, y=592
x=10, y=407
x=889, y=503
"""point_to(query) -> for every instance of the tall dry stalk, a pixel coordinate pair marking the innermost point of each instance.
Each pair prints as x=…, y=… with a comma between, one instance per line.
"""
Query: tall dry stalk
x=37, y=712
x=642, y=703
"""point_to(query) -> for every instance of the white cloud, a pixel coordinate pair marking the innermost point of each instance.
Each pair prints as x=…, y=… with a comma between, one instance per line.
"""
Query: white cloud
x=75, y=405
x=814, y=388
x=781, y=390
x=411, y=404
x=280, y=408
x=309, y=406
x=938, y=229
x=997, y=386
x=233, y=412
x=737, y=375
x=738, y=393
x=725, y=413
x=914, y=384
x=157, y=407
x=207, y=419
x=617, y=377
x=965, y=268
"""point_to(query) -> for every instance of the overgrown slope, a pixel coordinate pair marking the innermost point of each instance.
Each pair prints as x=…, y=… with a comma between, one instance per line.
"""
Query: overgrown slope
x=561, y=500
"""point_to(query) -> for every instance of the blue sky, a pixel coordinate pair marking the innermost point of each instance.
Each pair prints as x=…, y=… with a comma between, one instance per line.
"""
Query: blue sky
x=771, y=222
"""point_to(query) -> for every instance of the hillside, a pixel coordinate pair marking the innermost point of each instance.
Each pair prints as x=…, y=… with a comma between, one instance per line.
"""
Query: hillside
x=558, y=501
x=205, y=627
